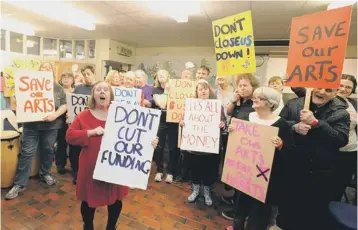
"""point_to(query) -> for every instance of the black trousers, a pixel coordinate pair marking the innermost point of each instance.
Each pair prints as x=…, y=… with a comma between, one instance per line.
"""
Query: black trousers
x=170, y=130
x=347, y=167
x=74, y=155
x=259, y=213
x=304, y=204
x=61, y=153
x=114, y=210
x=203, y=168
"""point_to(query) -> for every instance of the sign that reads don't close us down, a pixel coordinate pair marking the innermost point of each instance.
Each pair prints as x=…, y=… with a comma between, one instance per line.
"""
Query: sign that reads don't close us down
x=34, y=95
x=318, y=45
x=76, y=103
x=234, y=44
x=126, y=151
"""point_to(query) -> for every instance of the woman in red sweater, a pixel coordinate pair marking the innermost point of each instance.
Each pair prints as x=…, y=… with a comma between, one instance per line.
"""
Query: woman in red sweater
x=86, y=131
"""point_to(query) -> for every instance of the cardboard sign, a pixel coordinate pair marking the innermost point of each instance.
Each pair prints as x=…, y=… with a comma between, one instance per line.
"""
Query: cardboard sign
x=76, y=103
x=234, y=44
x=34, y=95
x=249, y=157
x=317, y=48
x=179, y=91
x=201, y=132
x=131, y=96
x=126, y=151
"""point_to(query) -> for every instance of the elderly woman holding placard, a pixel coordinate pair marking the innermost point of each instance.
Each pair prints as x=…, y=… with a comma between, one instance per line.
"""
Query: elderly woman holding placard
x=265, y=101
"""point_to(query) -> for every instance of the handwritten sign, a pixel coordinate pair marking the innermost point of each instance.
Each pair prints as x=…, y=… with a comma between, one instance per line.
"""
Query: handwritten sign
x=234, y=44
x=76, y=103
x=130, y=96
x=34, y=95
x=179, y=91
x=201, y=132
x=317, y=48
x=126, y=151
x=249, y=157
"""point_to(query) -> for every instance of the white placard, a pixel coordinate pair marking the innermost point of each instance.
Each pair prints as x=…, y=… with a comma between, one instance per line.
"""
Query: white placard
x=126, y=152
x=34, y=95
x=201, y=132
x=130, y=96
x=76, y=103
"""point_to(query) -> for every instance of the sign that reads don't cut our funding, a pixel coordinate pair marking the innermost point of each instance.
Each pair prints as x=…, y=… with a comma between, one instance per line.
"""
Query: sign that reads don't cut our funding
x=126, y=151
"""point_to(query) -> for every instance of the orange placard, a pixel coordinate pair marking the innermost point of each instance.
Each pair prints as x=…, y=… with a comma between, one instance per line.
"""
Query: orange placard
x=317, y=48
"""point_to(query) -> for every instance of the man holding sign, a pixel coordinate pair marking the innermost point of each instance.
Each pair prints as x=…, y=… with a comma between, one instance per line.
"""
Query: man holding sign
x=40, y=131
x=320, y=123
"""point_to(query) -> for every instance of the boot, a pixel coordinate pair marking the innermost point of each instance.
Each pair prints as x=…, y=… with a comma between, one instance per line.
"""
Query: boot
x=194, y=195
x=207, y=196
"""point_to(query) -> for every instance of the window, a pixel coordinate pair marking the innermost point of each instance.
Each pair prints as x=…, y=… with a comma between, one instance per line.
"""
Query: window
x=65, y=49
x=16, y=42
x=33, y=45
x=80, y=50
x=3, y=39
x=92, y=49
x=50, y=47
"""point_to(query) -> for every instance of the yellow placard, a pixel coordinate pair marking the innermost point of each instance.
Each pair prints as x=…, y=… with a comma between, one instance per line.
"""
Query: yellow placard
x=234, y=44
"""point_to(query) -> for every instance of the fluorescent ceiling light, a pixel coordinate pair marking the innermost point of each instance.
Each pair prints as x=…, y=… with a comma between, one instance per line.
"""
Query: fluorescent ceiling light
x=17, y=26
x=179, y=11
x=62, y=12
x=338, y=4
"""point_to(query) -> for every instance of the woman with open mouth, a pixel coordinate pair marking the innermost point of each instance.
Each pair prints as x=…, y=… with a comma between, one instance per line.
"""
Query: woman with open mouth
x=86, y=131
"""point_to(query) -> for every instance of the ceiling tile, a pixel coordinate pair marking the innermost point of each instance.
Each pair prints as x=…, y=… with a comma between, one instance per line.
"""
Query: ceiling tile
x=273, y=7
x=126, y=6
x=217, y=10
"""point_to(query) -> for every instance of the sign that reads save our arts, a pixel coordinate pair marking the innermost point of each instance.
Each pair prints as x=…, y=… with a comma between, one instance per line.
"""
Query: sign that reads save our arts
x=180, y=89
x=34, y=95
x=76, y=103
x=126, y=152
x=249, y=157
x=234, y=44
x=318, y=45
x=130, y=96
x=201, y=132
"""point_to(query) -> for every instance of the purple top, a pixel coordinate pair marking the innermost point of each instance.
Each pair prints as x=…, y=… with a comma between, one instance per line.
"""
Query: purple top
x=147, y=91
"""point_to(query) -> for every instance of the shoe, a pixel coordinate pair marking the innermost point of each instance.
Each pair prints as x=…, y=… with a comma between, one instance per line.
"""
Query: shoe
x=169, y=179
x=228, y=199
x=207, y=196
x=229, y=214
x=229, y=228
x=74, y=181
x=14, y=192
x=50, y=180
x=194, y=195
x=158, y=177
x=61, y=170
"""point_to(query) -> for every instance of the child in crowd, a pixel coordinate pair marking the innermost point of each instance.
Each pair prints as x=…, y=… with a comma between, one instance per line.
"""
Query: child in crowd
x=203, y=165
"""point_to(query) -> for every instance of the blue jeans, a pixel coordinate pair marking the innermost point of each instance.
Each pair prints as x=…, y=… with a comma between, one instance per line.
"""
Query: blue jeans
x=32, y=140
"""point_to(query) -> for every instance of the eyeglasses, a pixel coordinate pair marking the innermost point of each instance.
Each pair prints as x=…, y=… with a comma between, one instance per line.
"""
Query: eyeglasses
x=259, y=98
